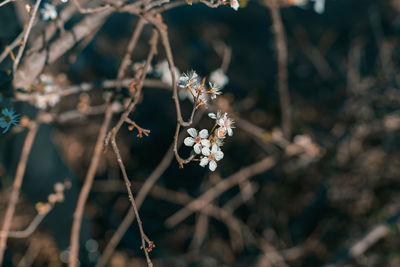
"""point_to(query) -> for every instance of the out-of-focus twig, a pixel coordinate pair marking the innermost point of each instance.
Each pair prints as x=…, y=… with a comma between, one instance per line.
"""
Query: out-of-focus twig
x=31, y=253
x=282, y=55
x=26, y=35
x=19, y=176
x=33, y=64
x=5, y=2
x=89, y=10
x=312, y=53
x=8, y=49
x=225, y=184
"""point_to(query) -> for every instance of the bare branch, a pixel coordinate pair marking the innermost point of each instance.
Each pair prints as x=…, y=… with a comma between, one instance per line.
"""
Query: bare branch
x=27, y=32
x=19, y=176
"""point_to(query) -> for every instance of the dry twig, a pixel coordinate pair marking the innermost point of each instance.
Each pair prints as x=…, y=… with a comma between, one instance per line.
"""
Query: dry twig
x=19, y=176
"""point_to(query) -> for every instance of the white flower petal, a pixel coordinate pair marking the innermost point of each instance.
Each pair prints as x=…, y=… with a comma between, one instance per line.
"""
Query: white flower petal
x=212, y=116
x=189, y=141
x=230, y=132
x=192, y=132
x=214, y=149
x=218, y=155
x=203, y=133
x=197, y=148
x=203, y=161
x=205, y=142
x=205, y=151
x=235, y=4
x=212, y=165
x=218, y=77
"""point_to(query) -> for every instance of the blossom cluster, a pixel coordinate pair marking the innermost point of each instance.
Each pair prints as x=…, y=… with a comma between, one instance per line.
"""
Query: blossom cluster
x=49, y=94
x=199, y=93
x=7, y=119
x=206, y=144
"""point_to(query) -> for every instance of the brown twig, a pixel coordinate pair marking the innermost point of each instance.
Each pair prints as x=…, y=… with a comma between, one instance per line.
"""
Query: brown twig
x=8, y=49
x=6, y=2
x=141, y=196
x=26, y=35
x=83, y=195
x=31, y=253
x=313, y=53
x=282, y=55
x=144, y=190
x=19, y=176
x=89, y=10
x=225, y=184
x=111, y=136
x=141, y=130
x=131, y=46
x=33, y=64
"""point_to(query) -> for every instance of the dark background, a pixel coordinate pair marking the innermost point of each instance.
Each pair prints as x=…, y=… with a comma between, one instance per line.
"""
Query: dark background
x=322, y=206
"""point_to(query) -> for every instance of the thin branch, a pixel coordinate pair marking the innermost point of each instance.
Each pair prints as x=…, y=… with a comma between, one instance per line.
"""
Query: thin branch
x=112, y=136
x=162, y=29
x=31, y=253
x=225, y=184
x=28, y=230
x=33, y=64
x=89, y=10
x=19, y=176
x=83, y=195
x=143, y=192
x=27, y=32
x=282, y=55
x=8, y=49
x=6, y=2
x=131, y=46
x=141, y=196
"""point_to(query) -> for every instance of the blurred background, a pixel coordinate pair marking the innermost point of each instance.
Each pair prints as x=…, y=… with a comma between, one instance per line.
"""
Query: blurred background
x=332, y=197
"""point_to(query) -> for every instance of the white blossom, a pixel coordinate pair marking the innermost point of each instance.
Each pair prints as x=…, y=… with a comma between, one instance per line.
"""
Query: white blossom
x=226, y=125
x=319, y=6
x=139, y=66
x=48, y=12
x=50, y=95
x=215, y=116
x=214, y=90
x=219, y=78
x=234, y=4
x=188, y=79
x=211, y=157
x=162, y=70
x=198, y=140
